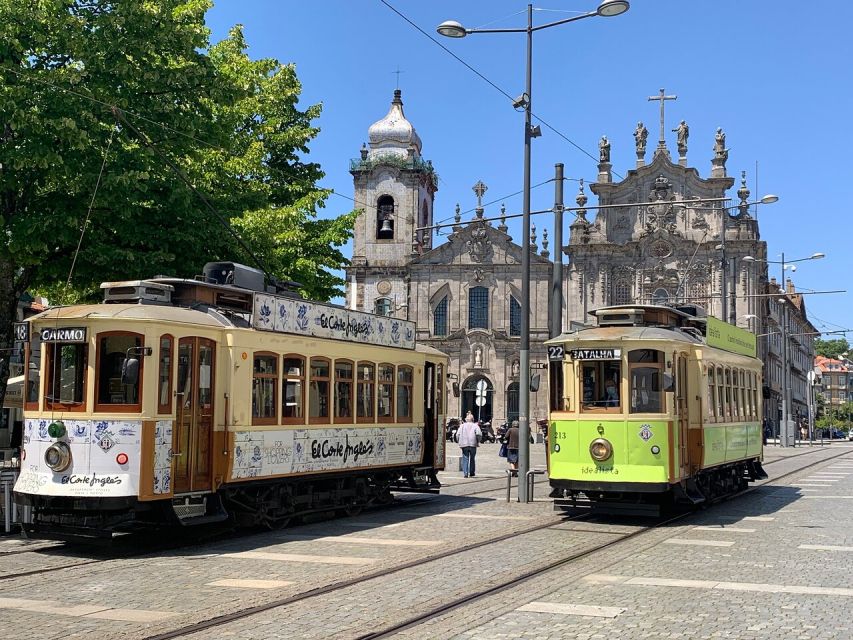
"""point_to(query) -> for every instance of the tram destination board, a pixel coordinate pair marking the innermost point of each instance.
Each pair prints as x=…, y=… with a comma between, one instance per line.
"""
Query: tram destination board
x=595, y=354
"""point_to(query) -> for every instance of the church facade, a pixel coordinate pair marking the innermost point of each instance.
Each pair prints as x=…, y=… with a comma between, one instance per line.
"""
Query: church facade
x=664, y=234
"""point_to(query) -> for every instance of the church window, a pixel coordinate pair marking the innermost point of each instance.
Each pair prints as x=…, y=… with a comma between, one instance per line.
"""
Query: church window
x=439, y=318
x=478, y=308
x=699, y=291
x=512, y=402
x=514, y=317
x=660, y=296
x=385, y=218
x=622, y=291
x=382, y=307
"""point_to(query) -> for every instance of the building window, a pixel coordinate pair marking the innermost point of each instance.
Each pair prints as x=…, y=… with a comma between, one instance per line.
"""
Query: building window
x=385, y=218
x=382, y=307
x=478, y=308
x=660, y=296
x=439, y=318
x=264, y=383
x=698, y=291
x=622, y=291
x=514, y=317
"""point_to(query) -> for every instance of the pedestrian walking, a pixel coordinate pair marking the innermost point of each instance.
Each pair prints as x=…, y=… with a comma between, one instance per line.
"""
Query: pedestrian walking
x=512, y=445
x=469, y=436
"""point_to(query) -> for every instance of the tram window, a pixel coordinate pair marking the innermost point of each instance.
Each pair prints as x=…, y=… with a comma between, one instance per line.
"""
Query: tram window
x=405, y=379
x=66, y=376
x=555, y=386
x=164, y=375
x=386, y=393
x=721, y=413
x=601, y=380
x=439, y=390
x=646, y=377
x=113, y=348
x=33, y=372
x=711, y=393
x=741, y=389
x=343, y=391
x=318, y=392
x=756, y=414
x=736, y=406
x=727, y=393
x=365, y=390
x=264, y=383
x=293, y=390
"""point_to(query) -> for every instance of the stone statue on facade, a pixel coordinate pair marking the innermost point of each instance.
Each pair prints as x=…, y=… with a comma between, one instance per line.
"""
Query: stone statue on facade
x=721, y=154
x=604, y=149
x=641, y=135
x=683, y=132
x=478, y=357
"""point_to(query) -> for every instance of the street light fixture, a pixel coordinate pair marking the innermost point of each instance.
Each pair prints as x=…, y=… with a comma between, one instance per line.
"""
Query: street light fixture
x=787, y=436
x=454, y=29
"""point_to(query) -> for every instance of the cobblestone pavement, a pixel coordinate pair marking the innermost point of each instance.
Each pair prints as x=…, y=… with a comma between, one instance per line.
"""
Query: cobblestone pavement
x=775, y=563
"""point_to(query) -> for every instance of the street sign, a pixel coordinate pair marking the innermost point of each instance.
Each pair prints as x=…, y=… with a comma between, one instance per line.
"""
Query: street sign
x=480, y=393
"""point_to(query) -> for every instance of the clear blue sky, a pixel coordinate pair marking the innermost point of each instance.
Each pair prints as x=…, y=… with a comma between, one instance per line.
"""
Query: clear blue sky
x=774, y=74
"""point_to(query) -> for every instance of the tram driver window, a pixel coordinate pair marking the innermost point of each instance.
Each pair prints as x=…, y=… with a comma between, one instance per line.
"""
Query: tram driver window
x=646, y=375
x=601, y=379
x=113, y=349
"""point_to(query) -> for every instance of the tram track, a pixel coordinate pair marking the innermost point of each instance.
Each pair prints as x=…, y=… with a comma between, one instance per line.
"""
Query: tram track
x=469, y=597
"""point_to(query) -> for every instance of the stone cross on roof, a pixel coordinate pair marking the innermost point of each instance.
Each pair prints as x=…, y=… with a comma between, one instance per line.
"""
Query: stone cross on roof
x=662, y=97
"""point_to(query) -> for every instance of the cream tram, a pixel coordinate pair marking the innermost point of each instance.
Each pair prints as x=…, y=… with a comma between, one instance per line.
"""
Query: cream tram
x=191, y=401
x=653, y=405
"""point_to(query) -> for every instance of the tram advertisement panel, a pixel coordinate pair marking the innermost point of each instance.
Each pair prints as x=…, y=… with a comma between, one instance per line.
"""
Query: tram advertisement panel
x=288, y=451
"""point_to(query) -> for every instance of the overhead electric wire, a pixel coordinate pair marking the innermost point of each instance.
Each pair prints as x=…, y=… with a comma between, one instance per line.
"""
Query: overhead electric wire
x=489, y=82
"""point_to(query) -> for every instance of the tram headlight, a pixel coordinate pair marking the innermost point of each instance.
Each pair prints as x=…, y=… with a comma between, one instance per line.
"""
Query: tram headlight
x=58, y=456
x=600, y=449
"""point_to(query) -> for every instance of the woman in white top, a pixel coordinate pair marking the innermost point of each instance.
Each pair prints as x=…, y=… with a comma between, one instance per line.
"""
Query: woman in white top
x=468, y=436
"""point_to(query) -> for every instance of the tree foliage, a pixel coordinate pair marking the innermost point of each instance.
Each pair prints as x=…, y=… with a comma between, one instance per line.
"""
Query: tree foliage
x=230, y=123
x=831, y=348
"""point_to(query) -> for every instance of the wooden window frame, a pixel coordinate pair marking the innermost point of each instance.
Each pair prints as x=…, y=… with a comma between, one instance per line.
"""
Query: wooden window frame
x=256, y=420
x=285, y=377
x=117, y=408
x=330, y=387
x=351, y=381
x=49, y=354
x=166, y=409
x=359, y=383
x=411, y=386
x=31, y=406
x=664, y=406
x=392, y=396
x=712, y=393
x=595, y=406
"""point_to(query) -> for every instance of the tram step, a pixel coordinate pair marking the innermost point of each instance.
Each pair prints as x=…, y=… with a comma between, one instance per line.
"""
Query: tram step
x=690, y=492
x=195, y=510
x=756, y=471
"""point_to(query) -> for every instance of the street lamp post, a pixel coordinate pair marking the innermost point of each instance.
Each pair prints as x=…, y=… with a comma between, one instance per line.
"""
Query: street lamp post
x=787, y=437
x=453, y=29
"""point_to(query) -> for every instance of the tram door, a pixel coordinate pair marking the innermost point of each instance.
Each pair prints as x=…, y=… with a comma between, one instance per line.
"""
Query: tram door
x=193, y=434
x=430, y=417
x=683, y=419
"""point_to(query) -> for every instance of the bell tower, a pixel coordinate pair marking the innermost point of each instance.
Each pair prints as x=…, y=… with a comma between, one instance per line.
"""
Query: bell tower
x=395, y=190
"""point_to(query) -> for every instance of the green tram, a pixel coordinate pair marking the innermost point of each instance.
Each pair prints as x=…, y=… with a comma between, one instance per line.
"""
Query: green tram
x=653, y=406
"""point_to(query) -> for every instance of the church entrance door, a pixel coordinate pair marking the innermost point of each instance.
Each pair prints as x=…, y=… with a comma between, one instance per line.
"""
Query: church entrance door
x=478, y=398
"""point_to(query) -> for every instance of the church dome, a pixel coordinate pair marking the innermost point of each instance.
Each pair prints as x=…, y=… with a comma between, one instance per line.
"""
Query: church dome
x=393, y=134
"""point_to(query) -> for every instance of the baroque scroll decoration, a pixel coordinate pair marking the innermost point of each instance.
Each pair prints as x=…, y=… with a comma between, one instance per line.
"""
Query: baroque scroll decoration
x=661, y=216
x=478, y=245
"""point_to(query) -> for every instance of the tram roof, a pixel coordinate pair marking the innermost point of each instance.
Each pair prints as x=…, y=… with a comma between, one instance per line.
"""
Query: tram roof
x=612, y=334
x=134, y=312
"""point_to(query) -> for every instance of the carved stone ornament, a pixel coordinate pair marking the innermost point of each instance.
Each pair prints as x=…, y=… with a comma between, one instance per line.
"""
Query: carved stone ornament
x=479, y=275
x=661, y=216
x=478, y=245
x=660, y=249
x=383, y=287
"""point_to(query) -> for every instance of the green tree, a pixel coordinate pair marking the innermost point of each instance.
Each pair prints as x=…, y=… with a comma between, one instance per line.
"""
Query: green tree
x=229, y=123
x=831, y=348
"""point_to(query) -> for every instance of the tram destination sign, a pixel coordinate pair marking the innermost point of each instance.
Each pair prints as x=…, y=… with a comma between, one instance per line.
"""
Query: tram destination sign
x=595, y=354
x=63, y=334
x=301, y=317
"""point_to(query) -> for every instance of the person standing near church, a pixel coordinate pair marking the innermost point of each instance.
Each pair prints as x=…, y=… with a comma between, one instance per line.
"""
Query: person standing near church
x=469, y=436
x=512, y=446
